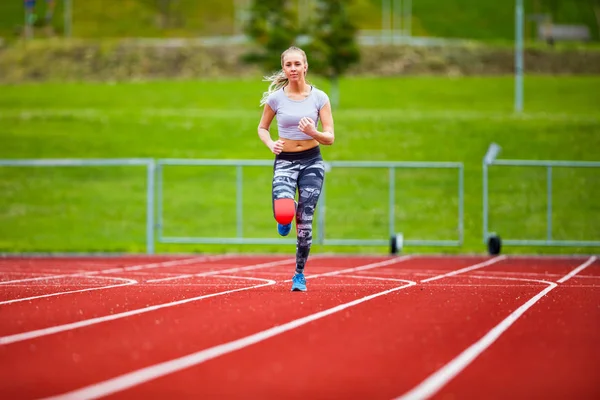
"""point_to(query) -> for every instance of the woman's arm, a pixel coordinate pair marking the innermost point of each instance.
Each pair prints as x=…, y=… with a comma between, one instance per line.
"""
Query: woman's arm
x=307, y=125
x=276, y=147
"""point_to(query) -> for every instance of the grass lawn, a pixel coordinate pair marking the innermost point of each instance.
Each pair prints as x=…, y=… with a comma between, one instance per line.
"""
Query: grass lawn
x=391, y=119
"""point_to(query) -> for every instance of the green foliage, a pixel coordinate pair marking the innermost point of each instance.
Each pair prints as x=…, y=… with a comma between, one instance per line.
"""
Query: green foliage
x=333, y=48
x=273, y=26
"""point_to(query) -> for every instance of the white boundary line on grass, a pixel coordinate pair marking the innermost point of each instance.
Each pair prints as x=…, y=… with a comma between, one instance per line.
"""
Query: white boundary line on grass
x=194, y=113
x=436, y=381
x=128, y=282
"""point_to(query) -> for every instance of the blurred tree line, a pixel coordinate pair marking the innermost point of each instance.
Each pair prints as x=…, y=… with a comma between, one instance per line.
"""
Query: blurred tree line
x=329, y=39
x=470, y=19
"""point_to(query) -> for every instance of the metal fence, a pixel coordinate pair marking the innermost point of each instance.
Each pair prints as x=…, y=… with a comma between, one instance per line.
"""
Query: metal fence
x=492, y=239
x=155, y=199
x=118, y=162
x=396, y=240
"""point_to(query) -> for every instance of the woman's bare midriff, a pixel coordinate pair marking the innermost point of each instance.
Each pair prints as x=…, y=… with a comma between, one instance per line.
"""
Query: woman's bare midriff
x=293, y=146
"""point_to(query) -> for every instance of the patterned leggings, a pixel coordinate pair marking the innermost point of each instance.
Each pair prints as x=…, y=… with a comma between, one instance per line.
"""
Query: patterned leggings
x=304, y=171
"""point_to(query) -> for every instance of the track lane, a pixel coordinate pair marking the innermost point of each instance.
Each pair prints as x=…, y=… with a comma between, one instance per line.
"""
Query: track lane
x=71, y=308
x=319, y=359
x=552, y=352
x=88, y=354
x=323, y=293
x=375, y=350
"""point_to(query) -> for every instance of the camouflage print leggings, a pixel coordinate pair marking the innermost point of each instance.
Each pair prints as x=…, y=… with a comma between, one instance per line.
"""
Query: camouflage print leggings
x=304, y=171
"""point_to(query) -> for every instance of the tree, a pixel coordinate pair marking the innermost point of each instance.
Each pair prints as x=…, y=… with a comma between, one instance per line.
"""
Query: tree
x=553, y=6
x=595, y=6
x=333, y=48
x=273, y=25
x=330, y=37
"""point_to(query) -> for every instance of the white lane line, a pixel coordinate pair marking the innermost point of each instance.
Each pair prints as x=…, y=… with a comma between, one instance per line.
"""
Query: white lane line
x=580, y=286
x=147, y=374
x=163, y=264
x=466, y=269
x=588, y=277
x=225, y=271
x=195, y=113
x=170, y=278
x=476, y=285
x=361, y=268
x=127, y=283
x=245, y=277
x=36, y=274
x=434, y=382
x=377, y=278
x=577, y=270
x=93, y=321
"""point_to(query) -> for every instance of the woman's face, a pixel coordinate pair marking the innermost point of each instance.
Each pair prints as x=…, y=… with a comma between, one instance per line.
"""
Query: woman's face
x=294, y=66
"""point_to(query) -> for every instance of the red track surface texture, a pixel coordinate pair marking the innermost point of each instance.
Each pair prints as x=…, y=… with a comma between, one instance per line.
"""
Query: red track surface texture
x=408, y=327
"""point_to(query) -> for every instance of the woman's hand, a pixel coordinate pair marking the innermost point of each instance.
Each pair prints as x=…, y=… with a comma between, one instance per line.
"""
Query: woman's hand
x=276, y=147
x=307, y=125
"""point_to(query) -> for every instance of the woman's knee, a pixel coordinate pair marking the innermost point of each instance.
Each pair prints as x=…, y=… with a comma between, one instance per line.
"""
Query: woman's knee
x=284, y=210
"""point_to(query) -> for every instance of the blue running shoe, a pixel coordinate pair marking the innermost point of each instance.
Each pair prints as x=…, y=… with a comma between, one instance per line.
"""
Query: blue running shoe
x=298, y=283
x=284, y=230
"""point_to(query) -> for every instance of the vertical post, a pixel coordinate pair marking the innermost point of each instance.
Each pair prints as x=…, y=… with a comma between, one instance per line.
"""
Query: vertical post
x=239, y=202
x=385, y=20
x=396, y=19
x=27, y=23
x=488, y=159
x=392, y=200
x=159, y=201
x=485, y=202
x=236, y=17
x=151, y=167
x=549, y=203
x=461, y=207
x=519, y=56
x=407, y=17
x=68, y=17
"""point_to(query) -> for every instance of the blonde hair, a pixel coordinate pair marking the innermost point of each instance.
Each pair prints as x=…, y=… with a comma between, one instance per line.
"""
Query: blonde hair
x=279, y=79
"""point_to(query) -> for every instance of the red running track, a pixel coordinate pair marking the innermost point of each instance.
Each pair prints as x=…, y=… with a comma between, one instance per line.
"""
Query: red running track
x=369, y=327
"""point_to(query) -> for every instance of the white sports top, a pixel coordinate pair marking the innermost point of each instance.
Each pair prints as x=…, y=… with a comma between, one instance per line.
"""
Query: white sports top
x=289, y=112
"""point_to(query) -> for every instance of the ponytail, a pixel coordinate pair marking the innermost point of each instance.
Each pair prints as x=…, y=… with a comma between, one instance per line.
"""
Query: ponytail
x=278, y=80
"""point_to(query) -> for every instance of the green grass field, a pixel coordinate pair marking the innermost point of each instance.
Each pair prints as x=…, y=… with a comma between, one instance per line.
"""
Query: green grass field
x=391, y=119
